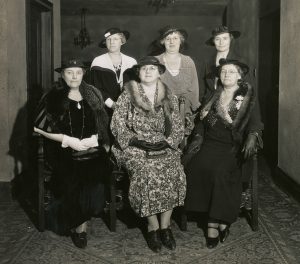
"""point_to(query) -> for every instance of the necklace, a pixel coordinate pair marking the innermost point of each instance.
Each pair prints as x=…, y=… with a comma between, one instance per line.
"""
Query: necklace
x=70, y=120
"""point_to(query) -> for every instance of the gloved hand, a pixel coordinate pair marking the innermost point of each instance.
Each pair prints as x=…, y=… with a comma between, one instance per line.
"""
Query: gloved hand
x=195, y=145
x=142, y=144
x=90, y=142
x=192, y=148
x=158, y=145
x=73, y=143
x=250, y=146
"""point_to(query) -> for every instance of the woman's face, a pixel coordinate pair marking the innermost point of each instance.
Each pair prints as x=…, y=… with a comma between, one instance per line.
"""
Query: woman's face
x=172, y=42
x=222, y=42
x=114, y=43
x=229, y=75
x=73, y=76
x=149, y=74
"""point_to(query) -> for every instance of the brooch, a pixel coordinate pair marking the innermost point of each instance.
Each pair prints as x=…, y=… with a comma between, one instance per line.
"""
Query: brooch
x=239, y=100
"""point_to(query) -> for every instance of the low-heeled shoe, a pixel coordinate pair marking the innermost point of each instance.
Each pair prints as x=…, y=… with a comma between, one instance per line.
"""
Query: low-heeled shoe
x=224, y=234
x=167, y=238
x=153, y=241
x=212, y=242
x=79, y=239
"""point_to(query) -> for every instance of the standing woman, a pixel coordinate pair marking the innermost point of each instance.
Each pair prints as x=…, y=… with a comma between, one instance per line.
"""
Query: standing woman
x=221, y=39
x=180, y=75
x=73, y=120
x=148, y=129
x=107, y=70
x=214, y=183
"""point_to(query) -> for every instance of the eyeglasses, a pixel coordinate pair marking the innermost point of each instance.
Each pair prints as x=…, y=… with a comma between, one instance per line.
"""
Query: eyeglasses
x=228, y=72
x=149, y=68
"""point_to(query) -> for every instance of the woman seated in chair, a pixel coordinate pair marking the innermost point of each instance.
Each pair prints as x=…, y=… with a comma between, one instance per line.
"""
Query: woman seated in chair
x=72, y=117
x=148, y=128
x=214, y=182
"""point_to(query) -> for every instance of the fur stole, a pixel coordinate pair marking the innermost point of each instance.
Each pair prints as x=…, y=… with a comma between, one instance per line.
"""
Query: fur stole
x=245, y=96
x=55, y=104
x=164, y=100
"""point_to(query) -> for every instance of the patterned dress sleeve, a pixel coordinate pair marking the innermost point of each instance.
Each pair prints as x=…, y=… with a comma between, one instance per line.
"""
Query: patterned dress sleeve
x=177, y=132
x=120, y=127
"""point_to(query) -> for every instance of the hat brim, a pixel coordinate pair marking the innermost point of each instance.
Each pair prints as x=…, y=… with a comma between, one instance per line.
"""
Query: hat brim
x=102, y=43
x=244, y=67
x=168, y=32
x=60, y=69
x=162, y=68
x=210, y=42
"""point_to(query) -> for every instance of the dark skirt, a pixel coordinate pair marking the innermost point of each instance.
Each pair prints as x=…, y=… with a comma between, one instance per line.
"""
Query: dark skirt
x=78, y=192
x=214, y=182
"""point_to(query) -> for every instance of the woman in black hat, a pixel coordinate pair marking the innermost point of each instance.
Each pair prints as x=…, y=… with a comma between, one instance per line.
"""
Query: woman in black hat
x=107, y=70
x=148, y=129
x=180, y=75
x=221, y=39
x=214, y=183
x=73, y=120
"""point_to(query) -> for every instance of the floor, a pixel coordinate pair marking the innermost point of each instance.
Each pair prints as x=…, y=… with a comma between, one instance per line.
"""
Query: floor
x=276, y=241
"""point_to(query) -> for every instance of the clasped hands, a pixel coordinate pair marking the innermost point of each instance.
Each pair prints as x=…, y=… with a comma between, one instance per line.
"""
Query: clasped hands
x=144, y=145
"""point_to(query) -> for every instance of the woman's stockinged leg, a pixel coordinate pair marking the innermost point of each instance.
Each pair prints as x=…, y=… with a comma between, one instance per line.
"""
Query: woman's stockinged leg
x=81, y=228
x=152, y=223
x=165, y=219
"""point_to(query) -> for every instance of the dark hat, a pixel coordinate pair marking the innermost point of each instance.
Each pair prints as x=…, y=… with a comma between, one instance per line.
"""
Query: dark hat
x=112, y=31
x=244, y=67
x=71, y=64
x=150, y=60
x=220, y=30
x=169, y=30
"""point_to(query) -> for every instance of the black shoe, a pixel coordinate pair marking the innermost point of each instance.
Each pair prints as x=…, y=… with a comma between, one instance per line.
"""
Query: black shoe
x=79, y=239
x=167, y=238
x=153, y=241
x=224, y=234
x=212, y=242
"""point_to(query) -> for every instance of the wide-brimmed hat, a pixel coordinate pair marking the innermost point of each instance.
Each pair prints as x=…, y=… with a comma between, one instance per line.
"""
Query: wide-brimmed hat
x=149, y=60
x=169, y=30
x=244, y=67
x=72, y=63
x=111, y=31
x=220, y=30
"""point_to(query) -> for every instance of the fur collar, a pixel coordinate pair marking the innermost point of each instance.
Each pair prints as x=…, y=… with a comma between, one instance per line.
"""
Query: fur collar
x=56, y=103
x=244, y=93
x=164, y=100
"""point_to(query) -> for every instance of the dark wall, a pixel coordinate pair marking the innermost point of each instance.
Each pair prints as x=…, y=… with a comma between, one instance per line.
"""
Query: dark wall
x=143, y=29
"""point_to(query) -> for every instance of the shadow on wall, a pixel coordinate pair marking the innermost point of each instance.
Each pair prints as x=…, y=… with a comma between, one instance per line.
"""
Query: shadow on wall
x=23, y=149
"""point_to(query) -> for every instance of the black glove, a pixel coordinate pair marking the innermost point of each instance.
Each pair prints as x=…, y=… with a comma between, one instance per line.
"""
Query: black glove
x=250, y=147
x=192, y=148
x=142, y=144
x=158, y=145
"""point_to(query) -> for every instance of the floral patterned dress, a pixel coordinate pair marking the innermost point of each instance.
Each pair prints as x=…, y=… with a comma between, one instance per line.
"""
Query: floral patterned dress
x=157, y=184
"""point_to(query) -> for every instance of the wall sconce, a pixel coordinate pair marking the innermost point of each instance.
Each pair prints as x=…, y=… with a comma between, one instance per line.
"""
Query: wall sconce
x=83, y=39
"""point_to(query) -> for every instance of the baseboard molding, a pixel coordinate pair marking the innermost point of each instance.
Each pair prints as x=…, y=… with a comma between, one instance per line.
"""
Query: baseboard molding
x=286, y=183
